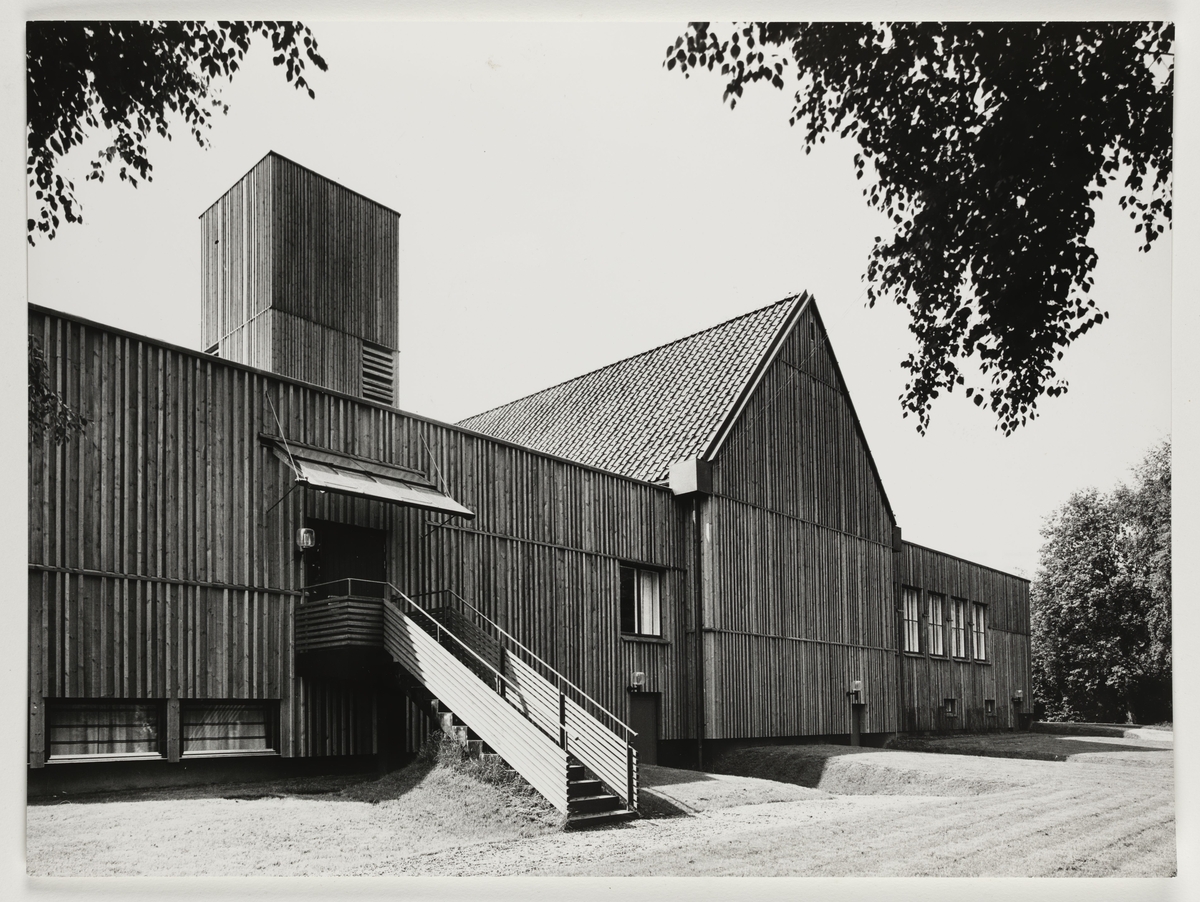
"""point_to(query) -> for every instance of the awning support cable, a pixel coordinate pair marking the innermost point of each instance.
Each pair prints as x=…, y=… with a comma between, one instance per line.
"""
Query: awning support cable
x=281, y=435
x=436, y=468
x=441, y=485
x=280, y=501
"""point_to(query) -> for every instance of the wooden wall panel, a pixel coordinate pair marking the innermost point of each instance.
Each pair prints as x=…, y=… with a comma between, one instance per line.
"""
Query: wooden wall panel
x=161, y=541
x=94, y=636
x=798, y=564
x=330, y=718
x=314, y=353
x=776, y=686
x=927, y=681
x=236, y=239
x=322, y=274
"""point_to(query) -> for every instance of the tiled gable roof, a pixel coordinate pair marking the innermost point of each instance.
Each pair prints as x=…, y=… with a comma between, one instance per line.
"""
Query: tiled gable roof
x=638, y=416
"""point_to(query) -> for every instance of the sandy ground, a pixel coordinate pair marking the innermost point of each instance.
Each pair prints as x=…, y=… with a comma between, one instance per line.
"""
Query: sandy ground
x=1106, y=812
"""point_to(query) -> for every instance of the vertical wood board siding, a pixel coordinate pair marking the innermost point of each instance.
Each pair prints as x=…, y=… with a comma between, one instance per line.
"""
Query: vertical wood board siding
x=798, y=566
x=336, y=255
x=161, y=541
x=928, y=680
x=236, y=239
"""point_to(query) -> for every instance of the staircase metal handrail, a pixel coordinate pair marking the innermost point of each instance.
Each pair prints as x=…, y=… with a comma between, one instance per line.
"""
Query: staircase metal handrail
x=306, y=591
x=629, y=791
x=441, y=630
x=562, y=680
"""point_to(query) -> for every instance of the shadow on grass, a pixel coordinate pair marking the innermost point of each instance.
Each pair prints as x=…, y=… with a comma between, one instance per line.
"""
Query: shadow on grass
x=1029, y=746
x=370, y=788
x=651, y=805
x=799, y=764
x=651, y=775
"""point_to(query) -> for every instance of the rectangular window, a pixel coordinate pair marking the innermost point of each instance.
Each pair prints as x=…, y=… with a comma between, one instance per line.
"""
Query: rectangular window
x=937, y=624
x=912, y=619
x=979, y=631
x=211, y=728
x=641, y=607
x=989, y=707
x=958, y=628
x=950, y=706
x=101, y=728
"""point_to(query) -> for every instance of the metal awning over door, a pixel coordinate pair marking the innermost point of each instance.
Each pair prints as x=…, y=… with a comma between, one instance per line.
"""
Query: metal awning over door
x=348, y=475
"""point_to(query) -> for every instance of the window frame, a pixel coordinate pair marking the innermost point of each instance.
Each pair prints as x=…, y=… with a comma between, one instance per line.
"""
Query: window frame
x=642, y=576
x=192, y=745
x=936, y=625
x=960, y=646
x=155, y=722
x=979, y=641
x=911, y=600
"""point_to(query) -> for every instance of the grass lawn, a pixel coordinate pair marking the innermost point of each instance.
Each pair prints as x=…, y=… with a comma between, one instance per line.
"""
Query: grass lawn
x=825, y=811
x=303, y=827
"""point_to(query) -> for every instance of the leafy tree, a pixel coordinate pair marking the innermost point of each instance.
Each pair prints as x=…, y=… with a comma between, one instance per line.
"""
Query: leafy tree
x=132, y=78
x=986, y=146
x=1102, y=602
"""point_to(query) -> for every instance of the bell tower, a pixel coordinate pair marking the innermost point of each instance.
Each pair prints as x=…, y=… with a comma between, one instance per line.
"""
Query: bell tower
x=299, y=276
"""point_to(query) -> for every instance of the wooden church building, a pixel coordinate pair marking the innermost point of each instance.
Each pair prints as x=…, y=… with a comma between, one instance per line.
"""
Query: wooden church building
x=251, y=556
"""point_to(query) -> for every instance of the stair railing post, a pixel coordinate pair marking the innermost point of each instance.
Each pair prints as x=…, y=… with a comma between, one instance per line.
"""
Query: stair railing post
x=629, y=776
x=562, y=720
x=499, y=675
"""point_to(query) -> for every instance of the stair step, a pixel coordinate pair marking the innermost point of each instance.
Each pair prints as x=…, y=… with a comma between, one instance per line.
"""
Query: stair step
x=586, y=804
x=474, y=748
x=575, y=772
x=584, y=788
x=598, y=819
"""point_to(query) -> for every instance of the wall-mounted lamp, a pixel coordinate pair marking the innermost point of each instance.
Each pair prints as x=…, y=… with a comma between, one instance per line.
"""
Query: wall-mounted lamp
x=855, y=693
x=305, y=538
x=637, y=681
x=1019, y=697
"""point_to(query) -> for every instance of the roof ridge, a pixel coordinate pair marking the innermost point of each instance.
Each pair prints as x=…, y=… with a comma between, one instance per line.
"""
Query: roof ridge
x=792, y=298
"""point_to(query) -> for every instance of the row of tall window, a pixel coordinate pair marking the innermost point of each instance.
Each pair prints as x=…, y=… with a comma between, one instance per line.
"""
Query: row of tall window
x=952, y=627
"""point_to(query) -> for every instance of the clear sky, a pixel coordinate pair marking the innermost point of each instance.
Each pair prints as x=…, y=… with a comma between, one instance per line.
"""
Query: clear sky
x=566, y=201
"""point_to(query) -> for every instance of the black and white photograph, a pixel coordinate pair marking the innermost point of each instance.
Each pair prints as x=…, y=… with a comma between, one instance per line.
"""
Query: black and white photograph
x=573, y=446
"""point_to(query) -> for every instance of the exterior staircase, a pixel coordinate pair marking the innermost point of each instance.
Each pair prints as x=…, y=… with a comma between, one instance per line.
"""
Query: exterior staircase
x=493, y=696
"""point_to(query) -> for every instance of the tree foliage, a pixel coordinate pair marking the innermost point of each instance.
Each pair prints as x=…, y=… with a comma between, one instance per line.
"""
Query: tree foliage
x=985, y=145
x=132, y=79
x=1102, y=602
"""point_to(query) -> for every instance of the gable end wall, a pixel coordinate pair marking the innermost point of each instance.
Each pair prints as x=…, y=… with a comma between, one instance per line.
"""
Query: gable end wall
x=799, y=566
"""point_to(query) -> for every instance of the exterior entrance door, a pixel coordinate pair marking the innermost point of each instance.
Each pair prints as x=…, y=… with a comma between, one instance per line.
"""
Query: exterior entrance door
x=343, y=552
x=643, y=718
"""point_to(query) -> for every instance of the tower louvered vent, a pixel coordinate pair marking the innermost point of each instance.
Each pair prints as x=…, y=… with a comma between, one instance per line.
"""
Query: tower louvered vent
x=378, y=374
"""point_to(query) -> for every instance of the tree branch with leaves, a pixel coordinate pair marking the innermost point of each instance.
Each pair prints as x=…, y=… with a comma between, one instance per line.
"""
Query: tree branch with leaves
x=985, y=145
x=132, y=79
